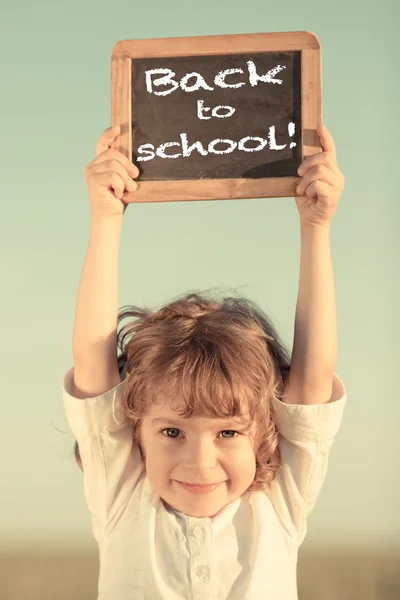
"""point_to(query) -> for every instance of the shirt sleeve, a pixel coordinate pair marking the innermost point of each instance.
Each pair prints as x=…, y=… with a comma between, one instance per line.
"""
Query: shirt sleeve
x=306, y=433
x=111, y=460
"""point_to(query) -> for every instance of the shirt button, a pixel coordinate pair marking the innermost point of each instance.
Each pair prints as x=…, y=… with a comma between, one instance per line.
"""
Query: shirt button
x=199, y=533
x=203, y=573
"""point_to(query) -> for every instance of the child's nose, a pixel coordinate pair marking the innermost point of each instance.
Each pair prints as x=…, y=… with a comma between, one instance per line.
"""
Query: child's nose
x=200, y=455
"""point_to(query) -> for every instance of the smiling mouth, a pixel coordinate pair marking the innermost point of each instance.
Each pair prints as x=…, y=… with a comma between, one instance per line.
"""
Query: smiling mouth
x=200, y=484
x=200, y=489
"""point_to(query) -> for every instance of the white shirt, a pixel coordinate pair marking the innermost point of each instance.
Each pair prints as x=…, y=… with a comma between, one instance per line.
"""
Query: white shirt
x=150, y=551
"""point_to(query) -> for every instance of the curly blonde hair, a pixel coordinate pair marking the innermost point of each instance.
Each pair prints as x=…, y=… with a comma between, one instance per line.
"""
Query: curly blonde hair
x=220, y=358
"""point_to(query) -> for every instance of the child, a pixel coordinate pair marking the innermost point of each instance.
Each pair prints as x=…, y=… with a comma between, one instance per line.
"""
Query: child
x=203, y=446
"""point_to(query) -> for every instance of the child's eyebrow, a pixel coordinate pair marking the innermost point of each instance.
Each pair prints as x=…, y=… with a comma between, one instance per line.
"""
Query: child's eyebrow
x=244, y=425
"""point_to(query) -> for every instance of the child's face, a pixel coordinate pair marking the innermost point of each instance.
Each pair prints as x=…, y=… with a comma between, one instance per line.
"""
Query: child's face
x=197, y=450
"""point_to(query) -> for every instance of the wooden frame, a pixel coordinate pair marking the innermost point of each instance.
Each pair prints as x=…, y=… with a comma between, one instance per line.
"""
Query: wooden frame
x=217, y=189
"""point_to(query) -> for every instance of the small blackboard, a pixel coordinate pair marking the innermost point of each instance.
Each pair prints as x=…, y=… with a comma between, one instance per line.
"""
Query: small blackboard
x=217, y=117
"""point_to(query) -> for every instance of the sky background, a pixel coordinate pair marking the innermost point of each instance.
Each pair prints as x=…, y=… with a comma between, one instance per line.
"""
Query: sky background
x=55, y=102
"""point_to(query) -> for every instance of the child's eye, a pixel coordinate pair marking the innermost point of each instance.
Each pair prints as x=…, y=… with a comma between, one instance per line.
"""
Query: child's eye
x=236, y=433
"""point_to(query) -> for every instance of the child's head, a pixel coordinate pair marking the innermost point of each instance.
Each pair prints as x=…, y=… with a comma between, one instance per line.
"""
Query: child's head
x=207, y=368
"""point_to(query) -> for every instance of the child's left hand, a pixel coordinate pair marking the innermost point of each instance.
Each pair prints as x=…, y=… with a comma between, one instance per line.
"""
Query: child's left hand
x=321, y=181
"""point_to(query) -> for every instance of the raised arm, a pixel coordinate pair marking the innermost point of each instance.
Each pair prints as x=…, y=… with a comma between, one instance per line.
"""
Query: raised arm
x=94, y=343
x=314, y=353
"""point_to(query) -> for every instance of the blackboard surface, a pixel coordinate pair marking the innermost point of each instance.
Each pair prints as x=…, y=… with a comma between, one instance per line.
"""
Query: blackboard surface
x=158, y=119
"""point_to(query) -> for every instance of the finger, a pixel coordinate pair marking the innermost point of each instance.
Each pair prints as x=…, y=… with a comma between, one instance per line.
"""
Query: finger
x=112, y=181
x=113, y=165
x=112, y=153
x=327, y=143
x=321, y=158
x=319, y=189
x=318, y=173
x=106, y=139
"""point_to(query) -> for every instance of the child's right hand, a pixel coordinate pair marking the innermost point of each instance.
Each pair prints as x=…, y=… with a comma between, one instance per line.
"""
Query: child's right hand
x=108, y=176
